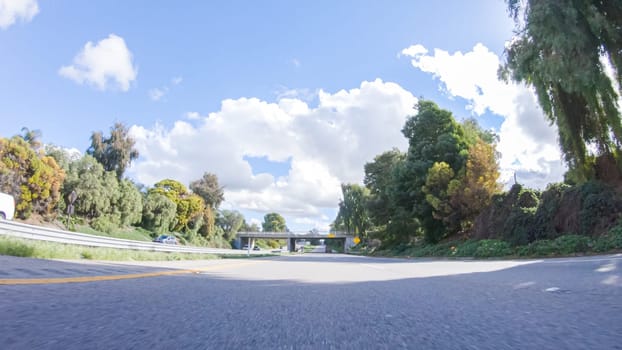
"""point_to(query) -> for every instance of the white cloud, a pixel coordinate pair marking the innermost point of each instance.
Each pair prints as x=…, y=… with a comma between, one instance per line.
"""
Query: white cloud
x=528, y=144
x=326, y=145
x=320, y=225
x=12, y=10
x=157, y=93
x=193, y=115
x=306, y=95
x=103, y=63
x=296, y=62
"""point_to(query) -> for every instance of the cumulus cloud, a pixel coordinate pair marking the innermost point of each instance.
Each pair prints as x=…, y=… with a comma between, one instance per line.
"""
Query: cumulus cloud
x=105, y=64
x=13, y=10
x=528, y=143
x=326, y=145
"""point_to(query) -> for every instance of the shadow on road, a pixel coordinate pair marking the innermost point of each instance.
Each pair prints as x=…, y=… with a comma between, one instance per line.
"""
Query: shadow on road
x=530, y=306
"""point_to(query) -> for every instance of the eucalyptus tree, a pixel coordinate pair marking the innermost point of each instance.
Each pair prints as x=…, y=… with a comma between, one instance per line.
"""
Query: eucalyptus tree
x=115, y=152
x=207, y=187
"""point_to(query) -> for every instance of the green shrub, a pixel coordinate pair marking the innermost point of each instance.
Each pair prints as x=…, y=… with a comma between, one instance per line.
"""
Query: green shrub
x=442, y=249
x=544, y=247
x=543, y=224
x=521, y=216
x=599, y=207
x=528, y=198
x=492, y=248
x=103, y=224
x=518, y=227
x=611, y=241
x=524, y=250
x=420, y=251
x=569, y=244
x=467, y=248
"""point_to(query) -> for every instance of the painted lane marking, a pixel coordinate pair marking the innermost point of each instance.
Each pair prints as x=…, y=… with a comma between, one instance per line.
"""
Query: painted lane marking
x=83, y=279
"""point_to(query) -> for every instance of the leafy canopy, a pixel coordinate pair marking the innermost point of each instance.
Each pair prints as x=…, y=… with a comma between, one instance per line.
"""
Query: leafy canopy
x=115, y=152
x=563, y=49
x=207, y=187
x=273, y=222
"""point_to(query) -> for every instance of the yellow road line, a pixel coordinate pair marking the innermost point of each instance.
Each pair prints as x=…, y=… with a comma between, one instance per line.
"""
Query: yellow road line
x=83, y=279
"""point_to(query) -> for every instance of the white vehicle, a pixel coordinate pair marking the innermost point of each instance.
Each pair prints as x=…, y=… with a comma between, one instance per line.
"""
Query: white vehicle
x=7, y=206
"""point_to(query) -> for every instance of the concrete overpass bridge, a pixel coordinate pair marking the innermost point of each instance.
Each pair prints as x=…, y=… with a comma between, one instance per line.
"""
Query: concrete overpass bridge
x=291, y=237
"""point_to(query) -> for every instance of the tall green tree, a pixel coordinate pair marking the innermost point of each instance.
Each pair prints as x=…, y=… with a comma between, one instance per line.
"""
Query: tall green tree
x=458, y=197
x=115, y=152
x=230, y=221
x=129, y=205
x=353, y=216
x=190, y=207
x=437, y=193
x=562, y=49
x=273, y=222
x=378, y=179
x=207, y=187
x=434, y=136
x=473, y=191
x=97, y=189
x=208, y=229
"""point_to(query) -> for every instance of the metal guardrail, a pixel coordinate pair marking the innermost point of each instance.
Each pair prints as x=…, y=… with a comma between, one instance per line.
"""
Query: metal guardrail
x=14, y=229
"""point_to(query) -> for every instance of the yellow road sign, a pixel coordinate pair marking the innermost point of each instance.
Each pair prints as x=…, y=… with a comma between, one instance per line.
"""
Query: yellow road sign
x=357, y=240
x=331, y=235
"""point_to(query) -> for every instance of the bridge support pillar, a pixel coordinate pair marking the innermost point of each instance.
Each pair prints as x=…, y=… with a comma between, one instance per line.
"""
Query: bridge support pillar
x=291, y=245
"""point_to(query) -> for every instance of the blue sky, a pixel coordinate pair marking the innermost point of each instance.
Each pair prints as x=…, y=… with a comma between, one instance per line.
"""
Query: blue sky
x=282, y=100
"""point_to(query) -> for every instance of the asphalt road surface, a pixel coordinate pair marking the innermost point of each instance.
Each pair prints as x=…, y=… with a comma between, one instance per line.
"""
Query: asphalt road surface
x=312, y=301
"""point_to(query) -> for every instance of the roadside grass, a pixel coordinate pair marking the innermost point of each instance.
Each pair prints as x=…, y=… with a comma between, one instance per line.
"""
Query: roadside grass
x=51, y=250
x=567, y=245
x=131, y=233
